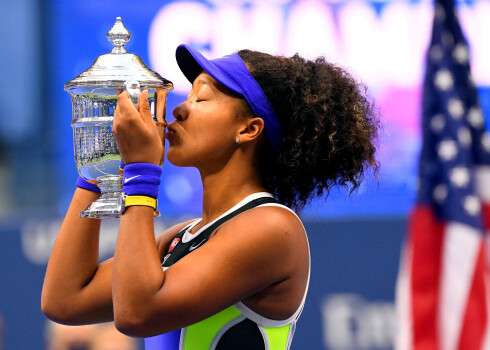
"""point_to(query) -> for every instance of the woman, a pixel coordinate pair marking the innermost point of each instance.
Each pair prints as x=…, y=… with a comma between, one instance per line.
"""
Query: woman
x=261, y=130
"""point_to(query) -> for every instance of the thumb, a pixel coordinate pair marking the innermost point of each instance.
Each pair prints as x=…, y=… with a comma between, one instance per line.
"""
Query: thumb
x=144, y=108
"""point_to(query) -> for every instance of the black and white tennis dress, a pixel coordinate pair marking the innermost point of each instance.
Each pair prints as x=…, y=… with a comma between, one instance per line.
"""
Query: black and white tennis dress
x=236, y=327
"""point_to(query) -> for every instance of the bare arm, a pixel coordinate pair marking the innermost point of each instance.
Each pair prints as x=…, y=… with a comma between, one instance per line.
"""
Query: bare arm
x=240, y=261
x=76, y=288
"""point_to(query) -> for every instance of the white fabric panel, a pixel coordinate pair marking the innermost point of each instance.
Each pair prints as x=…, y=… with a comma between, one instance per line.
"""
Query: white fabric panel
x=482, y=181
x=460, y=250
x=403, y=340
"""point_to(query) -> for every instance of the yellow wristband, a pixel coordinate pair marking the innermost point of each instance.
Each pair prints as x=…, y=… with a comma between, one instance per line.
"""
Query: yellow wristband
x=140, y=200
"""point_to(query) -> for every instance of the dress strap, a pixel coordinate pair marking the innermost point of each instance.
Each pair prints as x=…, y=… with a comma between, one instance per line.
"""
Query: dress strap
x=252, y=204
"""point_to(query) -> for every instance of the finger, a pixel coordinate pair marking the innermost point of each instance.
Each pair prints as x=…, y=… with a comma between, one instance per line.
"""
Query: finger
x=115, y=120
x=144, y=108
x=122, y=95
x=125, y=104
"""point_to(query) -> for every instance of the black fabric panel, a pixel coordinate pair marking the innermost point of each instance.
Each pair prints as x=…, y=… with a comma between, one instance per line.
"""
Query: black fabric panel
x=182, y=249
x=245, y=335
x=249, y=205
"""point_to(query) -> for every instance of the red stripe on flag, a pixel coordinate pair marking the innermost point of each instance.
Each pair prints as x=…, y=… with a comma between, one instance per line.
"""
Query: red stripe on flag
x=426, y=235
x=486, y=215
x=475, y=317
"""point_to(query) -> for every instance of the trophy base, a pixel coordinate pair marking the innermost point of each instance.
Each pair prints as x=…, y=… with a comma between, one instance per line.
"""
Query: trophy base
x=107, y=206
x=110, y=204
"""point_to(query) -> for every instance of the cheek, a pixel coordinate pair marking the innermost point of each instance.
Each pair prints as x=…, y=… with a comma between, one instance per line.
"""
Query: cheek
x=209, y=143
x=213, y=143
x=211, y=131
x=195, y=145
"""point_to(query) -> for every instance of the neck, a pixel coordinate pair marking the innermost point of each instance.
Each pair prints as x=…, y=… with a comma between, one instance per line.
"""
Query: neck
x=226, y=187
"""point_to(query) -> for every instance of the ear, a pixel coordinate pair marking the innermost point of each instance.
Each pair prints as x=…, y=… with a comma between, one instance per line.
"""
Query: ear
x=251, y=129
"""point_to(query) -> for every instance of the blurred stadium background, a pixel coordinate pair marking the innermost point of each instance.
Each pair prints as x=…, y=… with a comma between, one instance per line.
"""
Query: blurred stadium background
x=355, y=240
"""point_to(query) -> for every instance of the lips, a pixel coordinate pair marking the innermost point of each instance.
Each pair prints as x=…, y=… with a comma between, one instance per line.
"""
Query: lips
x=170, y=132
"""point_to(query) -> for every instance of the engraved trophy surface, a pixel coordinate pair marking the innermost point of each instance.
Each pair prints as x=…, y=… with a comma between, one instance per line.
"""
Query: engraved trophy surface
x=94, y=99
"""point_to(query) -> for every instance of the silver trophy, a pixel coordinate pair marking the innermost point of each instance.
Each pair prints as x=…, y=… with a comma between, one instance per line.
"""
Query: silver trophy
x=94, y=99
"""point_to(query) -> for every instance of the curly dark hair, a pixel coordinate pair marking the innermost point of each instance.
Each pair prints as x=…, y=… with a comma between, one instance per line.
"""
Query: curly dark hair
x=330, y=127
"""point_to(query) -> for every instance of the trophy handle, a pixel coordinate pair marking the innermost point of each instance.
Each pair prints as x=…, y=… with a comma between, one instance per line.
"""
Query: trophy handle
x=161, y=106
x=133, y=89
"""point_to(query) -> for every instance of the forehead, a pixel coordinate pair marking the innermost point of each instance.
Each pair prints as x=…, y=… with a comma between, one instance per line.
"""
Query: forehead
x=204, y=79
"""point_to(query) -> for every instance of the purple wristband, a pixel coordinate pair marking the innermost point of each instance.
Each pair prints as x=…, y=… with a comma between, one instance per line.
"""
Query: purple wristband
x=82, y=183
x=141, y=179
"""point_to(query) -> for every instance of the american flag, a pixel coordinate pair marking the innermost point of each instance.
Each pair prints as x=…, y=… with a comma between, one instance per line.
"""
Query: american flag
x=442, y=290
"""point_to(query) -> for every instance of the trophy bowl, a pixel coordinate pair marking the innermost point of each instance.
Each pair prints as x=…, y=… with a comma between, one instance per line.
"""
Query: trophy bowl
x=94, y=99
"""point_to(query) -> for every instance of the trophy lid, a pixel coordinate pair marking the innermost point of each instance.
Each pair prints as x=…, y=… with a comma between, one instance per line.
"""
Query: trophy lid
x=114, y=68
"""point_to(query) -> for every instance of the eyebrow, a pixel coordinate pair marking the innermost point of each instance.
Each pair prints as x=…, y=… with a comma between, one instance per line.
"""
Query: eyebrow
x=204, y=81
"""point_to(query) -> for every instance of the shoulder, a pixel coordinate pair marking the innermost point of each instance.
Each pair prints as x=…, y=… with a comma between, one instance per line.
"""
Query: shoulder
x=271, y=234
x=274, y=220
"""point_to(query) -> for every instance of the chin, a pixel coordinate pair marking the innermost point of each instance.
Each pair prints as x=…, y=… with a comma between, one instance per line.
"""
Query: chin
x=177, y=158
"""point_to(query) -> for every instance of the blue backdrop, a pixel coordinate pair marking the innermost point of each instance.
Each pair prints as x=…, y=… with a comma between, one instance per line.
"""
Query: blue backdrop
x=391, y=38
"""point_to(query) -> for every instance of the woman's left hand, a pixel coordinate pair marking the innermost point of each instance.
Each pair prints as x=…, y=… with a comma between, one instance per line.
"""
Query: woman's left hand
x=138, y=138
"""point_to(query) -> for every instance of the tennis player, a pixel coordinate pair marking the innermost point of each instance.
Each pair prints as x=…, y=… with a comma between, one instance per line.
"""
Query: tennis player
x=267, y=134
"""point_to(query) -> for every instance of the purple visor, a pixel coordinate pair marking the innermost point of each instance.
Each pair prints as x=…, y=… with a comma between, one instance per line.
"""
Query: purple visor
x=232, y=72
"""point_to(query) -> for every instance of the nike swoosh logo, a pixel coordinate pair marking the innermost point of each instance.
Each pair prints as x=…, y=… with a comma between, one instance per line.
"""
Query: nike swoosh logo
x=192, y=247
x=130, y=178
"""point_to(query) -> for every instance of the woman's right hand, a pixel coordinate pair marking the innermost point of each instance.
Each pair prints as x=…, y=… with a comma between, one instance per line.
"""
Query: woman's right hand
x=138, y=139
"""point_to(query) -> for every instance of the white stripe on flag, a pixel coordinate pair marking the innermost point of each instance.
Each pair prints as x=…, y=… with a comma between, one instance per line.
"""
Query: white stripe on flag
x=460, y=250
x=482, y=182
x=403, y=340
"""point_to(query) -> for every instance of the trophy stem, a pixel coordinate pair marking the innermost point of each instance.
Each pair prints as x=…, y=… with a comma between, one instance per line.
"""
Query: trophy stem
x=110, y=203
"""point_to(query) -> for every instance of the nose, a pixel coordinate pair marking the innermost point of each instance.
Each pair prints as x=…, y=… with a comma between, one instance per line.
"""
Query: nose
x=181, y=112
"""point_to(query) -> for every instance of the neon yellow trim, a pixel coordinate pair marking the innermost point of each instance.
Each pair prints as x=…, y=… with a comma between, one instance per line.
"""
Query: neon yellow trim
x=278, y=336
x=140, y=200
x=199, y=336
